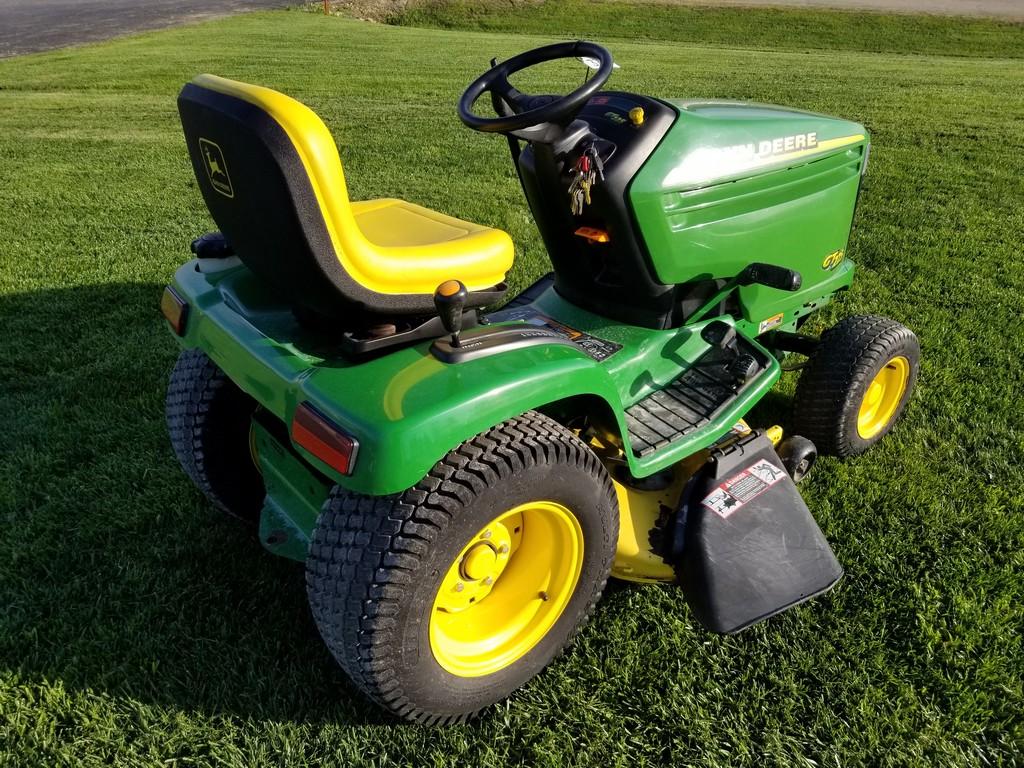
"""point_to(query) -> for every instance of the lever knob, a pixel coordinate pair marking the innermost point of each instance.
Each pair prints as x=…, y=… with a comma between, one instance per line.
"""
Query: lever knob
x=450, y=301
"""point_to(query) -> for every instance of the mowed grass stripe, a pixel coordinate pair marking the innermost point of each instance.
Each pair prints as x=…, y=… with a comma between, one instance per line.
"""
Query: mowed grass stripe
x=138, y=627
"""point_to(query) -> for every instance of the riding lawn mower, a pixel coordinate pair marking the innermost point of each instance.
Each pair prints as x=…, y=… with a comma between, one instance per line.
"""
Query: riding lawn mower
x=461, y=473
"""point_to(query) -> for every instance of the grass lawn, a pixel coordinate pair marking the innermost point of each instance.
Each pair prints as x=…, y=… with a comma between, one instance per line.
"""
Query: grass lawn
x=138, y=627
x=730, y=27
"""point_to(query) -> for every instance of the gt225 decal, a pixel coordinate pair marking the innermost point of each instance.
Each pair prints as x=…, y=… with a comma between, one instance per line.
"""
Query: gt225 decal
x=832, y=261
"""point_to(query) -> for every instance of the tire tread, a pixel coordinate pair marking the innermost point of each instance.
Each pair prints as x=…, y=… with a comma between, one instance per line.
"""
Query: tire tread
x=374, y=545
x=848, y=354
x=205, y=413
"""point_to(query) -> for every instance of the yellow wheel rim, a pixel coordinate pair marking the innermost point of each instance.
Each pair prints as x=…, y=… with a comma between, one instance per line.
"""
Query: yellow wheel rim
x=506, y=589
x=883, y=397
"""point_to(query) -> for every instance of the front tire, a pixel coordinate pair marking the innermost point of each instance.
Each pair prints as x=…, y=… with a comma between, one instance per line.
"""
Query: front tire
x=442, y=600
x=856, y=384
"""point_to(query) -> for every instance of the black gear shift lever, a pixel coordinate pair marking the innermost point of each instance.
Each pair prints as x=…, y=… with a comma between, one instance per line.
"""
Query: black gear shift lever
x=450, y=300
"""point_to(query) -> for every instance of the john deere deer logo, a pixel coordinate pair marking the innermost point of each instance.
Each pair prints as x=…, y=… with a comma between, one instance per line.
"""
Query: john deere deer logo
x=216, y=168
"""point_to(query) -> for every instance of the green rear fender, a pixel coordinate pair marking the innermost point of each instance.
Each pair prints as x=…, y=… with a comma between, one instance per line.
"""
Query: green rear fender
x=406, y=408
x=409, y=409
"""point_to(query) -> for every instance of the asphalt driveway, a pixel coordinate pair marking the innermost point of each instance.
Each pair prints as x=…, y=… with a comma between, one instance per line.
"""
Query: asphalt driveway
x=38, y=25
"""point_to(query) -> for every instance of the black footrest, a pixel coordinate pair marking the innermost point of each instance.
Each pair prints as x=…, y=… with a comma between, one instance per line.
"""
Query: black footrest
x=691, y=401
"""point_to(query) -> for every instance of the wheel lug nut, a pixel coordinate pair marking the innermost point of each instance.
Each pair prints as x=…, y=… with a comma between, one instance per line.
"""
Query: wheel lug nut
x=489, y=580
x=459, y=586
x=487, y=534
x=544, y=596
x=503, y=549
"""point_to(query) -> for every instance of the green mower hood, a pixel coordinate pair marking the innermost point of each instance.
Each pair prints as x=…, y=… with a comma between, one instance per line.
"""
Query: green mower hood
x=734, y=183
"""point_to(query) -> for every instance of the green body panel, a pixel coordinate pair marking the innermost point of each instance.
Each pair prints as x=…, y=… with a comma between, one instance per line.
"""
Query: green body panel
x=406, y=408
x=295, y=493
x=735, y=183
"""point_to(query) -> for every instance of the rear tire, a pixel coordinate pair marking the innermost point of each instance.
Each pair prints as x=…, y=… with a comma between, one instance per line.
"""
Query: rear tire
x=209, y=421
x=381, y=570
x=856, y=384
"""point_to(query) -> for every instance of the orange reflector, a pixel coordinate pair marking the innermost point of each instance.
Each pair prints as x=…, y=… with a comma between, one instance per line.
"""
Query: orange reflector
x=175, y=310
x=324, y=439
x=593, y=234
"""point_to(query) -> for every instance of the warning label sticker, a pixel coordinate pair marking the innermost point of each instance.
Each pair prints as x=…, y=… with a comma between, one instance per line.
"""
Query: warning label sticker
x=743, y=487
x=770, y=322
x=599, y=349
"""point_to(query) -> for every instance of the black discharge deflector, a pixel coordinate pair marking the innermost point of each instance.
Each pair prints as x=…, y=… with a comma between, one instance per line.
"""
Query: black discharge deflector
x=750, y=547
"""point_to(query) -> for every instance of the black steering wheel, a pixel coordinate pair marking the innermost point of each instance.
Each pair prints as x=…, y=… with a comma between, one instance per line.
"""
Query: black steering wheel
x=531, y=115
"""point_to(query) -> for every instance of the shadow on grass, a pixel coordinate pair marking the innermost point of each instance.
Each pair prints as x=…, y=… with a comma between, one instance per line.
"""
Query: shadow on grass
x=774, y=408
x=116, y=577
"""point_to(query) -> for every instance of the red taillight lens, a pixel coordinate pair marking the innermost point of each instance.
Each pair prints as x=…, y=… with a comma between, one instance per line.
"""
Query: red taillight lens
x=324, y=439
x=175, y=309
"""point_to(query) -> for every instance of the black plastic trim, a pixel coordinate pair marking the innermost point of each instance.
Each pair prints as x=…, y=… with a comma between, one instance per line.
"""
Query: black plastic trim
x=430, y=328
x=493, y=341
x=615, y=279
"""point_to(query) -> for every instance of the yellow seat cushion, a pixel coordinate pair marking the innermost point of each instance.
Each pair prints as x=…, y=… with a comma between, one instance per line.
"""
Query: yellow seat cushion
x=411, y=236
x=388, y=246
